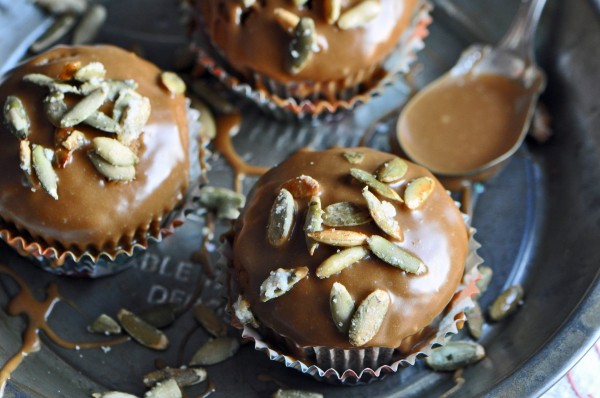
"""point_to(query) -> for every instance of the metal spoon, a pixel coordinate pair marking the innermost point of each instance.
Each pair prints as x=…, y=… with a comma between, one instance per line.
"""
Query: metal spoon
x=511, y=60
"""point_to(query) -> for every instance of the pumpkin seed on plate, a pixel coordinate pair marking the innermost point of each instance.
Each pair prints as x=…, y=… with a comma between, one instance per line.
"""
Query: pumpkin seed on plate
x=302, y=45
x=104, y=324
x=379, y=187
x=184, y=377
x=85, y=108
x=89, y=25
x=210, y=321
x=281, y=218
x=368, y=318
x=59, y=28
x=354, y=157
x=474, y=320
x=160, y=315
x=173, y=82
x=506, y=303
x=44, y=171
x=302, y=187
x=60, y=7
x=392, y=170
x=92, y=72
x=341, y=306
x=384, y=214
x=359, y=15
x=16, y=117
x=395, y=255
x=207, y=119
x=112, y=172
x=296, y=394
x=345, y=214
x=339, y=237
x=313, y=223
x=455, y=355
x=286, y=19
x=337, y=262
x=281, y=281
x=224, y=201
x=114, y=152
x=141, y=331
x=215, y=351
x=417, y=191
x=165, y=389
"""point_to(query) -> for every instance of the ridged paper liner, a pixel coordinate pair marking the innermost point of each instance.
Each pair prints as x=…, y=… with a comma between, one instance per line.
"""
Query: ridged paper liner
x=304, y=100
x=62, y=261
x=374, y=362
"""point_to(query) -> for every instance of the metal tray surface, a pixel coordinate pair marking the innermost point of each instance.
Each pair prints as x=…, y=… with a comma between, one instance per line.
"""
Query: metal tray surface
x=538, y=221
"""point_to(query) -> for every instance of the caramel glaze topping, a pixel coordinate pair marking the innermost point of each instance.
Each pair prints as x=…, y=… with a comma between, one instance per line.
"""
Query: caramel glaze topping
x=435, y=232
x=252, y=40
x=91, y=212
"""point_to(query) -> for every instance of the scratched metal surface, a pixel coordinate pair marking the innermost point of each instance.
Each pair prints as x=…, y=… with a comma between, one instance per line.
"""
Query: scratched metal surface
x=538, y=221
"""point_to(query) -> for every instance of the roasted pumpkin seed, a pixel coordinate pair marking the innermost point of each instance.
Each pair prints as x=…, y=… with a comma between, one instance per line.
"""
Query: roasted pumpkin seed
x=243, y=312
x=92, y=72
x=173, y=82
x=474, y=320
x=141, y=331
x=455, y=355
x=44, y=171
x=102, y=122
x=213, y=98
x=104, y=324
x=286, y=19
x=303, y=42
x=395, y=255
x=384, y=215
x=345, y=214
x=336, y=263
x=16, y=117
x=379, y=187
x=248, y=3
x=160, y=315
x=115, y=87
x=302, y=187
x=486, y=277
x=124, y=97
x=184, y=377
x=296, y=394
x=339, y=237
x=55, y=32
x=215, y=351
x=135, y=116
x=25, y=156
x=55, y=107
x=341, y=306
x=300, y=3
x=333, y=9
x=225, y=202
x=368, y=318
x=114, y=152
x=60, y=7
x=113, y=173
x=281, y=218
x=281, y=281
x=210, y=321
x=392, y=171
x=51, y=84
x=417, y=191
x=85, y=108
x=354, y=157
x=506, y=303
x=165, y=389
x=207, y=120
x=359, y=15
x=89, y=25
x=313, y=223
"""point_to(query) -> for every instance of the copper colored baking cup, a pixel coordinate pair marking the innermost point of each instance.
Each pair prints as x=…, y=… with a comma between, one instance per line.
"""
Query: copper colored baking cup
x=305, y=100
x=364, y=365
x=97, y=263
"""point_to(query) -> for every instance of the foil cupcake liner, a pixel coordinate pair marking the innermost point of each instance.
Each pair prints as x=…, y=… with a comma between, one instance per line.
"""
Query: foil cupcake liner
x=337, y=366
x=304, y=100
x=93, y=265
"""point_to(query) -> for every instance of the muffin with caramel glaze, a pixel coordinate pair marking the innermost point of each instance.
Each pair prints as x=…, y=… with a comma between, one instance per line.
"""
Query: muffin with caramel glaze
x=94, y=156
x=310, y=56
x=349, y=259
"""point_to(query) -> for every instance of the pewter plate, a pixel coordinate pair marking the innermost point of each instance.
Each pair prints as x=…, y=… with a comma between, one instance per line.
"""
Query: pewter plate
x=538, y=221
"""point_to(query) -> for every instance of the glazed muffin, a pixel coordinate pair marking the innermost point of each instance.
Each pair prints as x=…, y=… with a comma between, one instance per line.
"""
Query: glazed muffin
x=94, y=153
x=345, y=270
x=307, y=56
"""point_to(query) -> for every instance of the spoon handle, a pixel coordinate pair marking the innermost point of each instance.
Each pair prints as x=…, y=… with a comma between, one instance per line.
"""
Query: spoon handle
x=520, y=37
